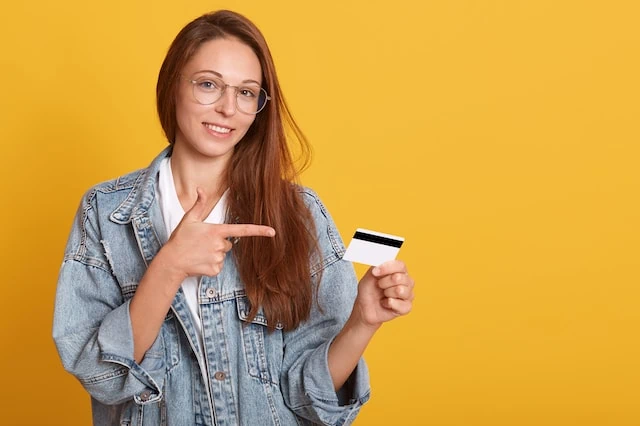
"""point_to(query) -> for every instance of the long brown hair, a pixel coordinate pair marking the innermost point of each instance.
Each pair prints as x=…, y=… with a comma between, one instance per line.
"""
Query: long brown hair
x=262, y=178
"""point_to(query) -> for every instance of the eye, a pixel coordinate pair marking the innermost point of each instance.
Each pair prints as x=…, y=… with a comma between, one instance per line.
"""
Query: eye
x=208, y=85
x=248, y=92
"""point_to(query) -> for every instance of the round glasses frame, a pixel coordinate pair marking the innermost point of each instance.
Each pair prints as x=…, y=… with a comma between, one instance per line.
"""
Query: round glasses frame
x=264, y=96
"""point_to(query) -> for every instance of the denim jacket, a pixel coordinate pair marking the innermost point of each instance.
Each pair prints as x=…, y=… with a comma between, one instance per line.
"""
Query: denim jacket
x=256, y=377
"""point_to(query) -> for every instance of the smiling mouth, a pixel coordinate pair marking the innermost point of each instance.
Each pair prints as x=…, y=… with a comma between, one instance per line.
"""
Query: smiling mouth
x=217, y=129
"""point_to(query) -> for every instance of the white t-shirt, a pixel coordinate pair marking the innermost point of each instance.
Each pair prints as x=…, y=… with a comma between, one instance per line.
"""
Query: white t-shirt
x=172, y=213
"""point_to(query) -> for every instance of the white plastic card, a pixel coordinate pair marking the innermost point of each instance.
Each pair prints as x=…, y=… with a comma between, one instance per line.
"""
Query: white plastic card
x=372, y=248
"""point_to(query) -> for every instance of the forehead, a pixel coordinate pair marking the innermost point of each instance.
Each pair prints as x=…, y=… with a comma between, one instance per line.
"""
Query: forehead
x=229, y=57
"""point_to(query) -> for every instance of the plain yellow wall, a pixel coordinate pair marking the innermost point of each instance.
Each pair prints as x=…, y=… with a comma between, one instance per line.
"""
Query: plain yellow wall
x=500, y=137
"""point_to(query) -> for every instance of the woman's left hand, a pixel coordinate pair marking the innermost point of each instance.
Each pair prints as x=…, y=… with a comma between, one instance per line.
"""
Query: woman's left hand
x=384, y=293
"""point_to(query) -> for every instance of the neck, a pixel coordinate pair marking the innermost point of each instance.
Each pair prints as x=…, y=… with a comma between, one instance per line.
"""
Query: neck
x=193, y=171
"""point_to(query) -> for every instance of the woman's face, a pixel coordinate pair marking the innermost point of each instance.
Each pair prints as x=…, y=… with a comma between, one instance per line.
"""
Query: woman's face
x=212, y=131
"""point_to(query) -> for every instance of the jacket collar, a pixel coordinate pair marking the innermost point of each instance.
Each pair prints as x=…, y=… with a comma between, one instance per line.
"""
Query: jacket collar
x=142, y=194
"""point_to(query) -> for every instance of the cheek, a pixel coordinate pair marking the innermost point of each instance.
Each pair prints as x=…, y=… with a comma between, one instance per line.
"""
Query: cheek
x=246, y=123
x=186, y=115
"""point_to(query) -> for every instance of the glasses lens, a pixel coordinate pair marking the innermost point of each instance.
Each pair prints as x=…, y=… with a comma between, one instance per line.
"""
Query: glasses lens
x=251, y=99
x=207, y=90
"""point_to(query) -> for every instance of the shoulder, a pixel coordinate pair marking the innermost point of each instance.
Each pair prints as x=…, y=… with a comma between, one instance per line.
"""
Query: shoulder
x=313, y=202
x=328, y=237
x=96, y=206
x=137, y=187
x=114, y=186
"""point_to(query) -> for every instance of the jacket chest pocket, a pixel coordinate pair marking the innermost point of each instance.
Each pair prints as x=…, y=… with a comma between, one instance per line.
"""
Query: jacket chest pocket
x=262, y=346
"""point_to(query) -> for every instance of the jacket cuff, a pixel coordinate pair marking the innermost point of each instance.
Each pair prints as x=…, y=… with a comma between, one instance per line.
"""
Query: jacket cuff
x=331, y=407
x=115, y=339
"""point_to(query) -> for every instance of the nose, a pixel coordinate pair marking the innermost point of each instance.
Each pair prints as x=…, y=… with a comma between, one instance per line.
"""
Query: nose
x=226, y=105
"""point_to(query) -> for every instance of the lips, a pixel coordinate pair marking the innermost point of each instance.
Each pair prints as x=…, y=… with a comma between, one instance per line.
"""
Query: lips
x=217, y=129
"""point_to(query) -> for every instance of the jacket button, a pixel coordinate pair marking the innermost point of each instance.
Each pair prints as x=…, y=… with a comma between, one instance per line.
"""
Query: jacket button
x=219, y=375
x=145, y=395
x=211, y=293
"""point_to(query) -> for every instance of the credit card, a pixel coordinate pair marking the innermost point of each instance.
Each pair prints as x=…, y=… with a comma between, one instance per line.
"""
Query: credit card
x=372, y=248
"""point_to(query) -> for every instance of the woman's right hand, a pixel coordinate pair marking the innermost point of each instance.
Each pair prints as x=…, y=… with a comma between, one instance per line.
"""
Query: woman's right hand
x=198, y=248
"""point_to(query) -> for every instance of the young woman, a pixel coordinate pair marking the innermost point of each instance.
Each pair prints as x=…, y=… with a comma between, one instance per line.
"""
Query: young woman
x=209, y=288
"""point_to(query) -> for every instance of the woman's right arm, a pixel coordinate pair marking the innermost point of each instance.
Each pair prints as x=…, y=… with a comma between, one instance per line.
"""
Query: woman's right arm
x=195, y=248
x=92, y=327
x=109, y=344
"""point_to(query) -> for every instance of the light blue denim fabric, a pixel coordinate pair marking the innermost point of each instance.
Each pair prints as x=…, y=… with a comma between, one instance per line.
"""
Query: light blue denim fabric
x=256, y=377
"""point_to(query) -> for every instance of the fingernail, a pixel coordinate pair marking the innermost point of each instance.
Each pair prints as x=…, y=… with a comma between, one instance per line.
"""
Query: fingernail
x=375, y=271
x=271, y=232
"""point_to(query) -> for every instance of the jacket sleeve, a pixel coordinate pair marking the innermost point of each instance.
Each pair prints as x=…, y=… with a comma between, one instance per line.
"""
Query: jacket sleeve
x=92, y=327
x=306, y=383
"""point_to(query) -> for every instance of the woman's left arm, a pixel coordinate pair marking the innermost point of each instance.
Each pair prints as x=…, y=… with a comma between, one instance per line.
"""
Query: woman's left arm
x=384, y=293
x=343, y=318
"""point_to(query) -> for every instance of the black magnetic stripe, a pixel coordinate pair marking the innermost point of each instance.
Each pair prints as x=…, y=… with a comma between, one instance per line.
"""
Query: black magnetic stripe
x=377, y=239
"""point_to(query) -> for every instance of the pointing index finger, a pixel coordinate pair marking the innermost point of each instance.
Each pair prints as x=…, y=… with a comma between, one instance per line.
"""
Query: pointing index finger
x=246, y=230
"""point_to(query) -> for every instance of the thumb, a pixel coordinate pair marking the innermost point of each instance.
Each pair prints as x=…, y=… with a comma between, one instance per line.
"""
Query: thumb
x=198, y=212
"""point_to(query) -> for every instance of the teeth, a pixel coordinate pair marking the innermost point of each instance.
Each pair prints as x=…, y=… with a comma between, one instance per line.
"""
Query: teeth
x=217, y=128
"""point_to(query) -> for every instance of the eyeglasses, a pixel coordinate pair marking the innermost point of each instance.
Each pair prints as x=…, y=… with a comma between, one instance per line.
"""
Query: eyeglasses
x=250, y=99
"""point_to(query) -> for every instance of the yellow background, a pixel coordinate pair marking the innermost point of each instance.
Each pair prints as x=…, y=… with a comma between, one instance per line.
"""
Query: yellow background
x=500, y=137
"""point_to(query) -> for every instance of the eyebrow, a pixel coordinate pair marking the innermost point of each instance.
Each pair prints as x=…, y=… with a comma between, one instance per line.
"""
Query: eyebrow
x=220, y=76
